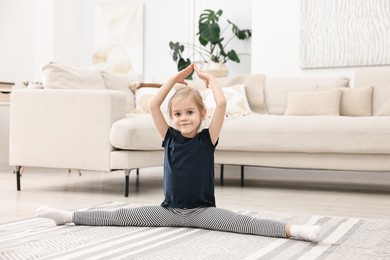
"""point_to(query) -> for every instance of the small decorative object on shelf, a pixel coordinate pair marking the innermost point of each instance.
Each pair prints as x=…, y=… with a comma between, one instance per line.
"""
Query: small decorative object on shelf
x=32, y=85
x=5, y=91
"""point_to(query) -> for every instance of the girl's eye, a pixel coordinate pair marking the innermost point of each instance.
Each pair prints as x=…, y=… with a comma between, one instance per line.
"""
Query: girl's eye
x=176, y=114
x=190, y=112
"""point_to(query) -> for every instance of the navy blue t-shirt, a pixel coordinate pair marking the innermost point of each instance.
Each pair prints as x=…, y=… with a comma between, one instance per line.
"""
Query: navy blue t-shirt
x=188, y=170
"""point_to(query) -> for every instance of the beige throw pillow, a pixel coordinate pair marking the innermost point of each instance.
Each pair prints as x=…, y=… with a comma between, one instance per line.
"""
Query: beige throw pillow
x=276, y=89
x=380, y=79
x=354, y=101
x=57, y=76
x=313, y=103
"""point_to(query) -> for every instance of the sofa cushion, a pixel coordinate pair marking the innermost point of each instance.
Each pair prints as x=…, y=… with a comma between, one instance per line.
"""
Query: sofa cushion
x=135, y=132
x=236, y=100
x=311, y=103
x=254, y=88
x=320, y=134
x=121, y=82
x=58, y=76
x=273, y=133
x=276, y=89
x=380, y=80
x=354, y=101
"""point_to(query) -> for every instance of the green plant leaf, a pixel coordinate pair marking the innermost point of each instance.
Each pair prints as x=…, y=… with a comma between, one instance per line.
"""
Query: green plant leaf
x=177, y=50
x=209, y=32
x=182, y=64
x=209, y=16
x=203, y=41
x=233, y=56
x=241, y=34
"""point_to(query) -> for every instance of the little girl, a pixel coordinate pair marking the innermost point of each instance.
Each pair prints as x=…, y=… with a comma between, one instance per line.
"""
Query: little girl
x=188, y=174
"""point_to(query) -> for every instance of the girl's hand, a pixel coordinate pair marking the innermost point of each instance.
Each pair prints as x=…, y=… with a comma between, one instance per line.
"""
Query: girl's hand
x=203, y=76
x=183, y=74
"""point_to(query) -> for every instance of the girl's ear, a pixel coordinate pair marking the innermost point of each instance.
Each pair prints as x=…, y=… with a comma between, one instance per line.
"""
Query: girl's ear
x=203, y=114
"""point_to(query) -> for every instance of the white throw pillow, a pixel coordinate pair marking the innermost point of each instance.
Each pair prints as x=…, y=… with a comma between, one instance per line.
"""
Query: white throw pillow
x=57, y=76
x=143, y=96
x=236, y=101
x=121, y=82
x=313, y=103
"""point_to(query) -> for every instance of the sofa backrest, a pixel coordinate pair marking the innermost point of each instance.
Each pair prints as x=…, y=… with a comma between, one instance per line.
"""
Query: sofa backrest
x=276, y=89
x=254, y=88
x=59, y=76
x=380, y=80
x=268, y=95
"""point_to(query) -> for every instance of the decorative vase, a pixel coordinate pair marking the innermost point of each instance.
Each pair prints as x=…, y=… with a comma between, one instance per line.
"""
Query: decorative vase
x=217, y=69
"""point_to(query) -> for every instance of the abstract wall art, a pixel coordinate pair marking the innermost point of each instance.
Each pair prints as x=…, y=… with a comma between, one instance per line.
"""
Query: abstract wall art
x=344, y=33
x=118, y=37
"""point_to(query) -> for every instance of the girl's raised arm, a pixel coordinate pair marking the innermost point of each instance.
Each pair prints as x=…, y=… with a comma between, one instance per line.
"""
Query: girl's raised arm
x=220, y=104
x=155, y=103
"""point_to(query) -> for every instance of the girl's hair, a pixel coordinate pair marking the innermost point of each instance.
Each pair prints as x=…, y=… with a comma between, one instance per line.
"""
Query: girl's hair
x=185, y=92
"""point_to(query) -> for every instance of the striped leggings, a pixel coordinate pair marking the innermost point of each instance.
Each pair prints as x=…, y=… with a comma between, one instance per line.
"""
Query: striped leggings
x=206, y=218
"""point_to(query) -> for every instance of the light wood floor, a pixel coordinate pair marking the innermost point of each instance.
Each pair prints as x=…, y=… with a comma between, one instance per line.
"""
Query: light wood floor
x=362, y=195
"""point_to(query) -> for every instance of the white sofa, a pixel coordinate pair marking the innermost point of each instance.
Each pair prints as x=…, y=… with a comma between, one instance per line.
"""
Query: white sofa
x=309, y=123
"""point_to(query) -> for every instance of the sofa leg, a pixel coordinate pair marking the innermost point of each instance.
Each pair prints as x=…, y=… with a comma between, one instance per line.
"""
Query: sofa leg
x=17, y=172
x=137, y=180
x=127, y=181
x=222, y=174
x=242, y=175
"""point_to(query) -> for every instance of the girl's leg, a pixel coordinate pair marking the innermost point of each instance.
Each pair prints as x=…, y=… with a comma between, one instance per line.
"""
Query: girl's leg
x=140, y=216
x=225, y=220
x=150, y=216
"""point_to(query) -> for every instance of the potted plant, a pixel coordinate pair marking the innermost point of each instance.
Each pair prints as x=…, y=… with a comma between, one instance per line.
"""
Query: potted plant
x=212, y=48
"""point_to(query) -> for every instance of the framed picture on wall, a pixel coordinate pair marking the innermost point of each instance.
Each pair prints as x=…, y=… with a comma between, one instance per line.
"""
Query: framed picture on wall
x=344, y=33
x=118, y=37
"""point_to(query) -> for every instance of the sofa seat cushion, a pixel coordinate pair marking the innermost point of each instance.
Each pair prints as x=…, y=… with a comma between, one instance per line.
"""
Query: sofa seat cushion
x=273, y=133
x=320, y=134
x=135, y=132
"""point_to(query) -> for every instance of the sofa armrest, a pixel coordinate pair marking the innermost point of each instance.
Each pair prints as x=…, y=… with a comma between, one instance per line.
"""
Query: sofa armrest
x=63, y=128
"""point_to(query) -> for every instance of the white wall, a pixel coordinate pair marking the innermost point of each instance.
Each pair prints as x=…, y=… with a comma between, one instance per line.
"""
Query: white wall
x=16, y=32
x=276, y=41
x=165, y=21
x=42, y=40
x=36, y=31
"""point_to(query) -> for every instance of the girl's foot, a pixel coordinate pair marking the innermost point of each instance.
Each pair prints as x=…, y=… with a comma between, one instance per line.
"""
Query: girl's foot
x=60, y=217
x=308, y=233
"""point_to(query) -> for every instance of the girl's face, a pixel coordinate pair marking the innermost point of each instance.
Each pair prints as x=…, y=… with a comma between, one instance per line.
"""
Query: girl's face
x=186, y=116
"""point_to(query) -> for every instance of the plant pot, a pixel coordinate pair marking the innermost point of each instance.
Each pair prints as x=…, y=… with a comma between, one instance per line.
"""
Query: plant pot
x=218, y=70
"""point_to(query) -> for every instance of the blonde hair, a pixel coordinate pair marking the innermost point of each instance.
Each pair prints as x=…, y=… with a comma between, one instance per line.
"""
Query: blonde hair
x=185, y=92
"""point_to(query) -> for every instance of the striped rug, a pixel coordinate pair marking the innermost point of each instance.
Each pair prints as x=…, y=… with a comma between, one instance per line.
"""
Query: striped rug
x=341, y=238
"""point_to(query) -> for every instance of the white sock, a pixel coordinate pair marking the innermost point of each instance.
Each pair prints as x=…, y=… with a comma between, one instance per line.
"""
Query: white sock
x=60, y=217
x=308, y=233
